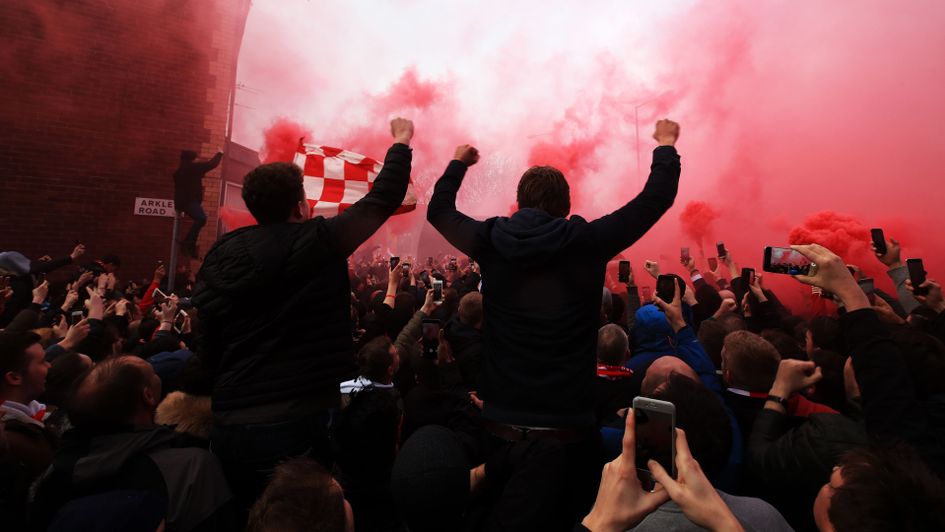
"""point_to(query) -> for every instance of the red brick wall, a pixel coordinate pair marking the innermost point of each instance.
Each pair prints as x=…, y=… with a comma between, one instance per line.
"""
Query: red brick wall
x=99, y=97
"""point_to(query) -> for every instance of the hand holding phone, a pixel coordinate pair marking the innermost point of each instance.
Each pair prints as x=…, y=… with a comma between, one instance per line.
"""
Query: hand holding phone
x=748, y=278
x=437, y=290
x=655, y=438
x=684, y=256
x=720, y=249
x=713, y=264
x=917, y=276
x=430, y=337
x=394, y=261
x=879, y=241
x=786, y=261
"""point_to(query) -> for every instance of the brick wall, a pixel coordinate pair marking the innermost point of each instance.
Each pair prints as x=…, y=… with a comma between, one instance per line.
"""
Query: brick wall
x=99, y=97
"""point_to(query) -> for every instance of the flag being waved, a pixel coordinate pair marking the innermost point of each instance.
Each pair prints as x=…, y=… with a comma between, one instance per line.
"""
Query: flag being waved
x=334, y=179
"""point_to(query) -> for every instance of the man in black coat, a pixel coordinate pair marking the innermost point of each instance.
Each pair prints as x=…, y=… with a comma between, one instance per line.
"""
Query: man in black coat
x=274, y=308
x=188, y=193
x=542, y=275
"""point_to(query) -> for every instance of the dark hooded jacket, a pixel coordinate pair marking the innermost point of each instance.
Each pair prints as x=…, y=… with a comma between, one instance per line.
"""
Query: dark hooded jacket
x=188, y=180
x=274, y=306
x=147, y=459
x=541, y=284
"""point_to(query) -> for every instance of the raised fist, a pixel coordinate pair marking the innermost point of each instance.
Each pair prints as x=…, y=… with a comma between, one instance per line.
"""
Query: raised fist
x=666, y=132
x=402, y=130
x=466, y=154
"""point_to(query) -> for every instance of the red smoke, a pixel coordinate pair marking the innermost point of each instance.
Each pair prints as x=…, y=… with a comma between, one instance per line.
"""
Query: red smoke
x=696, y=220
x=839, y=233
x=281, y=140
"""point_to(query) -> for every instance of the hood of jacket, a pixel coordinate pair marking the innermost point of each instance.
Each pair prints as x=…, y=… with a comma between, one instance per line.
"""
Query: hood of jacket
x=108, y=453
x=530, y=236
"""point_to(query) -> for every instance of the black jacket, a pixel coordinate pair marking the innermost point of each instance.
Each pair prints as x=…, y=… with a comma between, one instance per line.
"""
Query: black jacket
x=188, y=180
x=542, y=279
x=274, y=303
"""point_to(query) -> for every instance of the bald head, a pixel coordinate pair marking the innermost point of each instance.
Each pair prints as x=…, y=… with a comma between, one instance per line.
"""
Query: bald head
x=116, y=392
x=659, y=372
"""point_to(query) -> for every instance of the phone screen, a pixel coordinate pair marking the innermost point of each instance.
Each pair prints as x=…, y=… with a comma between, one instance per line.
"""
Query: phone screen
x=429, y=261
x=158, y=296
x=647, y=293
x=655, y=437
x=786, y=261
x=879, y=240
x=179, y=321
x=666, y=287
x=623, y=272
x=720, y=248
x=917, y=276
x=684, y=254
x=394, y=261
x=75, y=317
x=437, y=290
x=406, y=267
x=431, y=337
x=713, y=263
x=748, y=276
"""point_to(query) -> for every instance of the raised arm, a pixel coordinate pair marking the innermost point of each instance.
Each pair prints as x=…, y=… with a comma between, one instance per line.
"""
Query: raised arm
x=459, y=230
x=206, y=166
x=358, y=222
x=618, y=230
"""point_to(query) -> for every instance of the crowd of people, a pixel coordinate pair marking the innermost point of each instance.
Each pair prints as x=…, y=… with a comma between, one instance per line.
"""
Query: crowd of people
x=299, y=381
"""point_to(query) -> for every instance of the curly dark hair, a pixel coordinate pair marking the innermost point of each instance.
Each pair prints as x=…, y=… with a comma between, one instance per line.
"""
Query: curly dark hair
x=271, y=190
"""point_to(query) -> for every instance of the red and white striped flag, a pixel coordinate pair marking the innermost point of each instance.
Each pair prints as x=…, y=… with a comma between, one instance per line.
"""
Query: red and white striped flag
x=334, y=179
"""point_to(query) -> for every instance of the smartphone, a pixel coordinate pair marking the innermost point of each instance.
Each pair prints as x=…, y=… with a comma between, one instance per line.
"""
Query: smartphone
x=666, y=287
x=786, y=261
x=655, y=437
x=684, y=255
x=879, y=240
x=713, y=263
x=394, y=261
x=158, y=296
x=720, y=248
x=869, y=288
x=75, y=317
x=429, y=262
x=406, y=267
x=917, y=276
x=179, y=321
x=452, y=264
x=430, y=337
x=623, y=271
x=437, y=290
x=748, y=277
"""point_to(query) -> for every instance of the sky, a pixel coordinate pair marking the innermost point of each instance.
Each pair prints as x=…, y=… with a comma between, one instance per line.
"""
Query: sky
x=800, y=120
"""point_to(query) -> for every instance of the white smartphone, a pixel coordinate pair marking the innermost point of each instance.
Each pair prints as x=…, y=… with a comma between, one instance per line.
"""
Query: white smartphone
x=179, y=321
x=655, y=436
x=158, y=296
x=437, y=290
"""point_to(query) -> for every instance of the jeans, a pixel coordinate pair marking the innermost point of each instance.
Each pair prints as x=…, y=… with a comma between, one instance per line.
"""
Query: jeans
x=195, y=210
x=249, y=453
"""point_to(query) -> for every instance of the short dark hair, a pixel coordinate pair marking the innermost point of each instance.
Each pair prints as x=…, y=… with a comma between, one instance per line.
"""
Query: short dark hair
x=700, y=413
x=188, y=155
x=375, y=357
x=753, y=361
x=107, y=395
x=825, y=333
x=300, y=497
x=612, y=345
x=64, y=371
x=786, y=345
x=887, y=487
x=545, y=188
x=270, y=191
x=470, y=309
x=13, y=346
x=712, y=336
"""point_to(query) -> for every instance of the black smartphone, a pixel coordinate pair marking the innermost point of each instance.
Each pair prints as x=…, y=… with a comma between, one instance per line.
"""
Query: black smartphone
x=684, y=255
x=655, y=438
x=917, y=276
x=430, y=337
x=75, y=317
x=748, y=277
x=785, y=261
x=713, y=263
x=666, y=287
x=623, y=271
x=720, y=248
x=394, y=261
x=647, y=293
x=437, y=290
x=879, y=240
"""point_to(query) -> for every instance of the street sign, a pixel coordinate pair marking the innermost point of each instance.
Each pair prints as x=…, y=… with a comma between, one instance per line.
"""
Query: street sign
x=154, y=207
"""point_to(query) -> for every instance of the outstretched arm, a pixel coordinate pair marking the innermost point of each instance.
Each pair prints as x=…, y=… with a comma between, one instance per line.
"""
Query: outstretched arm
x=460, y=230
x=205, y=167
x=358, y=222
x=618, y=230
